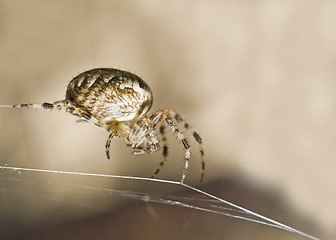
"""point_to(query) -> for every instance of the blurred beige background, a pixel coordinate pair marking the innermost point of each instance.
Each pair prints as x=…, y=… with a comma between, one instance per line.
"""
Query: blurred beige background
x=255, y=78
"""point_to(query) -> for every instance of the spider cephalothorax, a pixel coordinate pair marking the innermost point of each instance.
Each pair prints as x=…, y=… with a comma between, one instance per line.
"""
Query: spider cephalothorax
x=118, y=101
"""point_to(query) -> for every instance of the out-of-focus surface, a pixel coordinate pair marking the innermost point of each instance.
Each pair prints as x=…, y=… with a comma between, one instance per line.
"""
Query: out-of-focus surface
x=155, y=218
x=255, y=78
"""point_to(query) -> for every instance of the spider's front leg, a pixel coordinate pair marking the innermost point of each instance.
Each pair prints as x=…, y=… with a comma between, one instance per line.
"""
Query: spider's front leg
x=172, y=119
x=108, y=144
x=197, y=138
x=166, y=114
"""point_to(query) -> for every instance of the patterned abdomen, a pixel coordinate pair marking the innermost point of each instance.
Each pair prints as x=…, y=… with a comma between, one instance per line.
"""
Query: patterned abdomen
x=109, y=95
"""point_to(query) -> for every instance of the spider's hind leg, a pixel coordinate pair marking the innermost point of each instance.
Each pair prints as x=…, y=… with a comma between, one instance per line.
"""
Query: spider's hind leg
x=58, y=106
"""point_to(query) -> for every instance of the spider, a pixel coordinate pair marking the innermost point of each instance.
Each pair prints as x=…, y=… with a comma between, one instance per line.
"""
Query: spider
x=118, y=102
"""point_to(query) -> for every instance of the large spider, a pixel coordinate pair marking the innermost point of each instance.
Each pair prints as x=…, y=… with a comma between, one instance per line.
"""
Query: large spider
x=118, y=101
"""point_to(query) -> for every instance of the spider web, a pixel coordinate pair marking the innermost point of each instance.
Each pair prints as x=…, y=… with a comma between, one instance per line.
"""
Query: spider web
x=200, y=201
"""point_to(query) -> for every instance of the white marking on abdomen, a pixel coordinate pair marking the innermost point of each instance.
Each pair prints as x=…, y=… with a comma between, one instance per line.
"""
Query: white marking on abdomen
x=135, y=86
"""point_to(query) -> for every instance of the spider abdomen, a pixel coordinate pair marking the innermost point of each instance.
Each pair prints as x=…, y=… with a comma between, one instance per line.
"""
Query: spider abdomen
x=109, y=95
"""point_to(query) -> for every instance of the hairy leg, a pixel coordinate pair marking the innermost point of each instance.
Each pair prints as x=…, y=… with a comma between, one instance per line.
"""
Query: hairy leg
x=108, y=144
x=164, y=150
x=172, y=118
x=196, y=137
x=158, y=116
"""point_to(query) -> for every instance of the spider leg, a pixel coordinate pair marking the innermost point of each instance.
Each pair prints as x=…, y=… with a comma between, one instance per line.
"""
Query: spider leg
x=139, y=152
x=144, y=130
x=85, y=116
x=108, y=144
x=171, y=117
x=200, y=142
x=196, y=137
x=166, y=114
x=142, y=137
x=185, y=143
x=164, y=152
x=151, y=133
x=58, y=106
